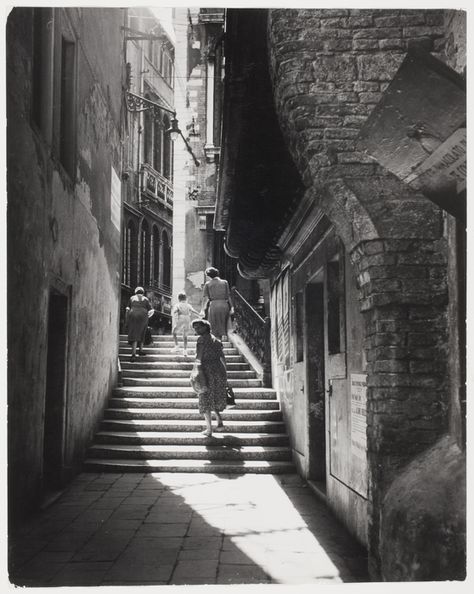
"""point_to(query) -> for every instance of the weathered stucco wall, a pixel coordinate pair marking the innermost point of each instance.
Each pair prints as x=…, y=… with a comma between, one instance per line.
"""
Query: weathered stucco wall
x=60, y=234
x=329, y=70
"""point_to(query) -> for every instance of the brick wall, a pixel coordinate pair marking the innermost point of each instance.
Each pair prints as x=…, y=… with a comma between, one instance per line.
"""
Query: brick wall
x=329, y=69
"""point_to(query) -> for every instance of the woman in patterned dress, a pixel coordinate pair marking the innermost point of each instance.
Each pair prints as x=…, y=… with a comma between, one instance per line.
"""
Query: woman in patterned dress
x=210, y=359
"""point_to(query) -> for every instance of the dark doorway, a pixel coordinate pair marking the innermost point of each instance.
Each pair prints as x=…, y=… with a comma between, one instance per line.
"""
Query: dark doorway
x=54, y=412
x=316, y=386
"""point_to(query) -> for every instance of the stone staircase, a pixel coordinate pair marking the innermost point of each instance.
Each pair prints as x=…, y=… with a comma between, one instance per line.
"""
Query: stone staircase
x=152, y=423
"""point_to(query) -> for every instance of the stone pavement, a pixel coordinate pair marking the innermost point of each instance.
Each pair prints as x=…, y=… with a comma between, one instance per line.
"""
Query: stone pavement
x=167, y=528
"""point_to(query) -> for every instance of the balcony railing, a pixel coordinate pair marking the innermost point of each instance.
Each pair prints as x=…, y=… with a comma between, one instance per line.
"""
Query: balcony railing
x=165, y=289
x=255, y=331
x=155, y=186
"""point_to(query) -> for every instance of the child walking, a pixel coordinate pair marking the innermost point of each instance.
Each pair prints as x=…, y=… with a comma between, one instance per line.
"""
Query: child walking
x=182, y=321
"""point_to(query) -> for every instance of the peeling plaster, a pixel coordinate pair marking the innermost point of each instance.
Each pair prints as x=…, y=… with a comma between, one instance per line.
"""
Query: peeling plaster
x=196, y=279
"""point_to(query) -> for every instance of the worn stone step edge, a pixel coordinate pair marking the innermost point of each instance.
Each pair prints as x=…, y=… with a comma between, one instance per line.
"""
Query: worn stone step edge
x=172, y=438
x=210, y=451
x=230, y=467
x=176, y=414
x=188, y=392
x=187, y=403
x=231, y=350
x=174, y=358
x=178, y=373
x=143, y=363
x=184, y=382
x=188, y=425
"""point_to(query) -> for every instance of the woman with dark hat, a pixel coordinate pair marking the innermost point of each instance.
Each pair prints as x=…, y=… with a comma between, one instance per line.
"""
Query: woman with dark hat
x=137, y=320
x=216, y=294
x=211, y=362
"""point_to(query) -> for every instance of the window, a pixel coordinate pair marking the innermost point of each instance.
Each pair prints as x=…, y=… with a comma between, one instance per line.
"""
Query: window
x=166, y=260
x=145, y=254
x=42, y=47
x=156, y=254
x=335, y=307
x=299, y=326
x=67, y=116
x=129, y=255
x=167, y=153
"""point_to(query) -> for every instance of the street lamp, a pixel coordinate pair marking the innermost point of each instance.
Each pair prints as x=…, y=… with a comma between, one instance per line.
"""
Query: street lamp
x=174, y=130
x=136, y=104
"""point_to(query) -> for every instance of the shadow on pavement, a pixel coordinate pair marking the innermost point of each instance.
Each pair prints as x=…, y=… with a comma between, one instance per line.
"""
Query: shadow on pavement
x=144, y=529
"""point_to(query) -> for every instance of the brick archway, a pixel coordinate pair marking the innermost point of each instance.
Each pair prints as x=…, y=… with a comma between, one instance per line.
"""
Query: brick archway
x=329, y=68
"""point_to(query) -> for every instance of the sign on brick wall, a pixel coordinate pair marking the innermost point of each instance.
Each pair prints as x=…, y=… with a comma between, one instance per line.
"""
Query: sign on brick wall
x=418, y=130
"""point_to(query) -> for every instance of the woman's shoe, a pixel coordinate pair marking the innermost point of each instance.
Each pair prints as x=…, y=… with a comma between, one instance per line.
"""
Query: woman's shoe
x=133, y=359
x=207, y=433
x=142, y=353
x=220, y=428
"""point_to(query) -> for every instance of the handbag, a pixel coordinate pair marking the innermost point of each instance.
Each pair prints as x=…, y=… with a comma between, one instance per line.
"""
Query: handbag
x=148, y=336
x=198, y=379
x=230, y=396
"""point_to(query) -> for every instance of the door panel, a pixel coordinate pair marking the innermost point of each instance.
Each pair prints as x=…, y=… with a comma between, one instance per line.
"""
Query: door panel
x=345, y=380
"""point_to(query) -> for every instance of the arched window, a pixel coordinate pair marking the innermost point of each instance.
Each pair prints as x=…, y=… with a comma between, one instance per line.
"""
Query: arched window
x=166, y=149
x=145, y=253
x=156, y=254
x=166, y=260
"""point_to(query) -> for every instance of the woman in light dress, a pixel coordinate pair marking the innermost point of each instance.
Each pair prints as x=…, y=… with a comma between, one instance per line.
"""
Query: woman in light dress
x=216, y=295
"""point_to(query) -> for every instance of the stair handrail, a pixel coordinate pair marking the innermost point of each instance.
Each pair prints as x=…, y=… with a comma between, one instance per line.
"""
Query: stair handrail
x=255, y=331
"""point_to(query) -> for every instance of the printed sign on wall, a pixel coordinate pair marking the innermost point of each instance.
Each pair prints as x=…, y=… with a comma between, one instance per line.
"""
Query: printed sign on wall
x=359, y=415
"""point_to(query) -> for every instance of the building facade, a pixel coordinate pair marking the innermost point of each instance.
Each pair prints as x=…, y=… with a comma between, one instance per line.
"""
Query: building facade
x=366, y=270
x=65, y=73
x=147, y=228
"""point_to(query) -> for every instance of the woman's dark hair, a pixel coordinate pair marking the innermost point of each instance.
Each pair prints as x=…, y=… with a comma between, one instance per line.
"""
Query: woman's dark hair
x=212, y=272
x=181, y=296
x=204, y=323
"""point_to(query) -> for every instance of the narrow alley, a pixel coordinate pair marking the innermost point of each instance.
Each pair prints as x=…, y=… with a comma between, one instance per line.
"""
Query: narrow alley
x=266, y=203
x=200, y=528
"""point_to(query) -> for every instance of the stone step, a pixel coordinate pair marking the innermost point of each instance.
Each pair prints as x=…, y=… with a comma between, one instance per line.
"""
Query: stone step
x=188, y=392
x=163, y=338
x=163, y=350
x=169, y=344
x=184, y=382
x=212, y=466
x=188, y=403
x=173, y=358
x=188, y=438
x=180, y=414
x=171, y=374
x=188, y=425
x=144, y=363
x=189, y=452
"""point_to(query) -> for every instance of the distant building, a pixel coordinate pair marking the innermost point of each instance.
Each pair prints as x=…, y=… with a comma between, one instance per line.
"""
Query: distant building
x=65, y=72
x=147, y=228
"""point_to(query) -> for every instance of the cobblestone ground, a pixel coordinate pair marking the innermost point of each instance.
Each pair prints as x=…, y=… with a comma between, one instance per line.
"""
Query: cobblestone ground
x=142, y=529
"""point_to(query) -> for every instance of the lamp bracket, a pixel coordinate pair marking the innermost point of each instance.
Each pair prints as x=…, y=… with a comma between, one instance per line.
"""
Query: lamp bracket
x=136, y=103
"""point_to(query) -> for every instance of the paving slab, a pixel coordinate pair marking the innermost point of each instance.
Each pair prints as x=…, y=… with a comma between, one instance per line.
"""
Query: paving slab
x=183, y=529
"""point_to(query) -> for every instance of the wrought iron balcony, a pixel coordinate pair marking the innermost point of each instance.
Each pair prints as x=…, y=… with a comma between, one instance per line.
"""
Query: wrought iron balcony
x=155, y=186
